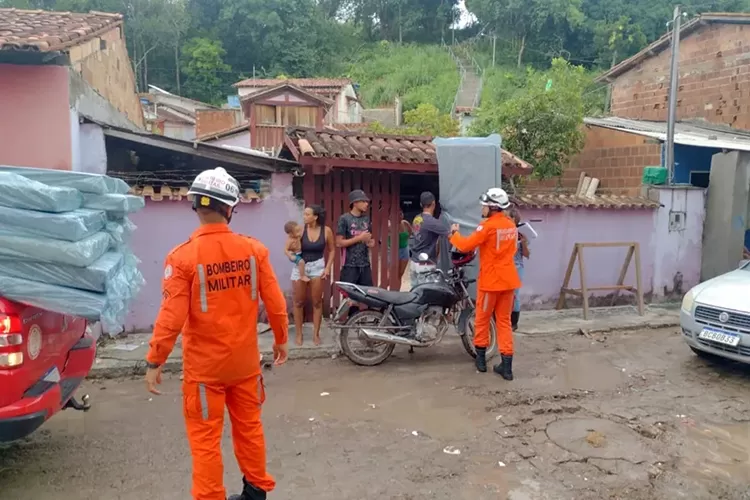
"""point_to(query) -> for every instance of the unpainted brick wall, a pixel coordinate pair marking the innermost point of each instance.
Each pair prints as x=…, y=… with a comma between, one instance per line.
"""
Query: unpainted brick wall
x=103, y=62
x=208, y=121
x=714, y=80
x=616, y=158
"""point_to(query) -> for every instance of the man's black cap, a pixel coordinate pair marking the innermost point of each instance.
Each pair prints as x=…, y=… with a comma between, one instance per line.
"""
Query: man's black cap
x=426, y=199
x=357, y=195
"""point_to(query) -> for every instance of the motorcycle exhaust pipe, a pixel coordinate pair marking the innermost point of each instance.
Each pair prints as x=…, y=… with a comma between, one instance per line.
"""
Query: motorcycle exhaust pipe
x=392, y=339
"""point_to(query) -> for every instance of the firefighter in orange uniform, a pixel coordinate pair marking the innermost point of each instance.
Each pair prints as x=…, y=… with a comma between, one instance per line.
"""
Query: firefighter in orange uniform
x=211, y=289
x=497, y=239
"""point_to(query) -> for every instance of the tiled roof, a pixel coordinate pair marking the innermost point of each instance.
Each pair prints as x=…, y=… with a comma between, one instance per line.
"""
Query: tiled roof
x=557, y=200
x=305, y=83
x=178, y=193
x=44, y=31
x=307, y=92
x=330, y=143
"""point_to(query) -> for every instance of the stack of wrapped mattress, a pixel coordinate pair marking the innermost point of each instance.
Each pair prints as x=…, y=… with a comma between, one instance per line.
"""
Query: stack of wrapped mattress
x=64, y=243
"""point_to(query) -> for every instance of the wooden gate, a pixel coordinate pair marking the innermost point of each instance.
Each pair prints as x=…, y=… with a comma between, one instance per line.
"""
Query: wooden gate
x=331, y=191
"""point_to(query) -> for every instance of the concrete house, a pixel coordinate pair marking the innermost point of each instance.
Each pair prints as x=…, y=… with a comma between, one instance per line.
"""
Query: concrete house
x=55, y=69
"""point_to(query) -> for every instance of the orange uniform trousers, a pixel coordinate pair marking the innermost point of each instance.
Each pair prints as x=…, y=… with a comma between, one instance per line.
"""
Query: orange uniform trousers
x=499, y=304
x=203, y=405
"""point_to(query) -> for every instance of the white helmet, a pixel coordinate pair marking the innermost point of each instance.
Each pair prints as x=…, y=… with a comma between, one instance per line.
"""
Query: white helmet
x=216, y=184
x=496, y=198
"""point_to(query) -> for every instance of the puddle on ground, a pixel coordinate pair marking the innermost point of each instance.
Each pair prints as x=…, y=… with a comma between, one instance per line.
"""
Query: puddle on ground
x=589, y=373
x=432, y=409
x=721, y=451
x=487, y=479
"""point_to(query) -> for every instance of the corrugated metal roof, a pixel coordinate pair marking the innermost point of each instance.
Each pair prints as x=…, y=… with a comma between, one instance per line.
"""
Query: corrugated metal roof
x=686, y=133
x=559, y=200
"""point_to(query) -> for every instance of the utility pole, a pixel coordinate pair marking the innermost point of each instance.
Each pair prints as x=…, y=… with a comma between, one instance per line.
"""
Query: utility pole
x=453, y=29
x=674, y=77
x=494, y=42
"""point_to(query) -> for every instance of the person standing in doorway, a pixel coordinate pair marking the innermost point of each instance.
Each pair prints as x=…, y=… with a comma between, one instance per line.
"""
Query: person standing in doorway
x=404, y=233
x=426, y=238
x=522, y=252
x=354, y=237
x=317, y=249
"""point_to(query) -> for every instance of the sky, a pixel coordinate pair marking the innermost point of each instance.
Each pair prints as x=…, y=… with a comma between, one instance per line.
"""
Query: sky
x=466, y=17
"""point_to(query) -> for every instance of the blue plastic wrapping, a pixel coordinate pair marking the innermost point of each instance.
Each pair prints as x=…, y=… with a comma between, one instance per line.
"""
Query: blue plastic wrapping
x=68, y=226
x=79, y=253
x=17, y=191
x=90, y=305
x=110, y=307
x=93, y=278
x=120, y=230
x=63, y=258
x=80, y=181
x=116, y=205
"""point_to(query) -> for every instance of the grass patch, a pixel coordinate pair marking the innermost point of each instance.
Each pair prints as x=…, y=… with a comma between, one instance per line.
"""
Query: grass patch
x=418, y=74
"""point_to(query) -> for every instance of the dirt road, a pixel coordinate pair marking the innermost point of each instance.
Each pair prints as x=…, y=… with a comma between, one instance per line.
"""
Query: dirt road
x=630, y=416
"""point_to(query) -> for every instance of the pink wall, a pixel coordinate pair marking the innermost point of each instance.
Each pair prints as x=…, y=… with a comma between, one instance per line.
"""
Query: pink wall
x=559, y=230
x=162, y=225
x=35, y=117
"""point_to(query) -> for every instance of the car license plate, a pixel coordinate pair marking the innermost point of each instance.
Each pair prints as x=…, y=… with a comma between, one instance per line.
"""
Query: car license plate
x=720, y=337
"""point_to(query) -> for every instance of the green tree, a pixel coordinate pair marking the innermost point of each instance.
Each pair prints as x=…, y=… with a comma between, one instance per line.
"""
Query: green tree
x=526, y=23
x=543, y=125
x=203, y=63
x=425, y=119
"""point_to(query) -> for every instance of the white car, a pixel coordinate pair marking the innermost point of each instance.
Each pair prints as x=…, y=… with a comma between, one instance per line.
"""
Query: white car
x=715, y=316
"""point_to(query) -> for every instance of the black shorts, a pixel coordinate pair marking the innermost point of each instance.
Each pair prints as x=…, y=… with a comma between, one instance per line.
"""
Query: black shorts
x=357, y=275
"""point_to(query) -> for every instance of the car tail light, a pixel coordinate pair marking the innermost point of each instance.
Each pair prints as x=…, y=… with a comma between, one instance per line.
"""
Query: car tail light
x=11, y=341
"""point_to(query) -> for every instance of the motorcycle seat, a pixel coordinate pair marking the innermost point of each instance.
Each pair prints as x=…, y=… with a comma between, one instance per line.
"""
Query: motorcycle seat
x=390, y=297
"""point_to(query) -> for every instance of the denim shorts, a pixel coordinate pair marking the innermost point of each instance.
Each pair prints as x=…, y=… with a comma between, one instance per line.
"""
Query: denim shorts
x=403, y=253
x=313, y=269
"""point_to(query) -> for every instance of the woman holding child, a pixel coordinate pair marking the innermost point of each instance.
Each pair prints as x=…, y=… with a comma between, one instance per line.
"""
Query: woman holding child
x=311, y=248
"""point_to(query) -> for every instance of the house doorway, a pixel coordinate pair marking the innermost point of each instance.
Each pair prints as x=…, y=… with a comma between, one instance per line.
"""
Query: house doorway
x=413, y=185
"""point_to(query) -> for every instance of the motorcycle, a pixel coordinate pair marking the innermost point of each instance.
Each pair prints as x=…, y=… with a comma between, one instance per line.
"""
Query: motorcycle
x=418, y=318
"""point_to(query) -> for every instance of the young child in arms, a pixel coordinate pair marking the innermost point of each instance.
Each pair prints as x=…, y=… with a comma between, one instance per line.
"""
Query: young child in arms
x=293, y=247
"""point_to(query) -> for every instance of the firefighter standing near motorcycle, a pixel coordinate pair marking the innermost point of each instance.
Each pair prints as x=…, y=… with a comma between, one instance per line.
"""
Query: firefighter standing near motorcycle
x=497, y=239
x=211, y=290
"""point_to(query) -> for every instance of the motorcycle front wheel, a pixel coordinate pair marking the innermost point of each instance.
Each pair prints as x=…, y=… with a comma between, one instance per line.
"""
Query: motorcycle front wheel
x=468, y=339
x=370, y=352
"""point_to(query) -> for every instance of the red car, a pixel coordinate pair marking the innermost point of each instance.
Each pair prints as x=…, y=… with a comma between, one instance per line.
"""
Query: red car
x=44, y=357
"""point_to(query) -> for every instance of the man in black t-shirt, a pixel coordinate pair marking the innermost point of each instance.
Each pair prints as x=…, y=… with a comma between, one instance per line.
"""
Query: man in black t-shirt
x=354, y=237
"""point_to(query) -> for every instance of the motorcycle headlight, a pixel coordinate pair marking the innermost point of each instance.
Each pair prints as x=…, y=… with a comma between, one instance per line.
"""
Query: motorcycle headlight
x=687, y=302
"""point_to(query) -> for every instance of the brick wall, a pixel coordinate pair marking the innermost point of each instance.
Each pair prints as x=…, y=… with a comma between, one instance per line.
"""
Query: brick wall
x=714, y=80
x=615, y=158
x=103, y=62
x=208, y=121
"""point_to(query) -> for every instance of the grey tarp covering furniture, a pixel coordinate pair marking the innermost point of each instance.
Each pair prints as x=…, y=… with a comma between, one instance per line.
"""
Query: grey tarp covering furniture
x=467, y=167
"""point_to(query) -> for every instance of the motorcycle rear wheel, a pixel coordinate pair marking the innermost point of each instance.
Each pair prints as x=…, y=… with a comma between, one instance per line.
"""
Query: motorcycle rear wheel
x=468, y=339
x=381, y=350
